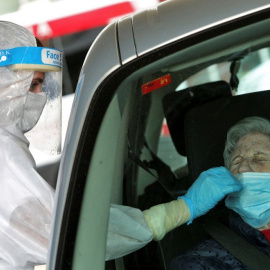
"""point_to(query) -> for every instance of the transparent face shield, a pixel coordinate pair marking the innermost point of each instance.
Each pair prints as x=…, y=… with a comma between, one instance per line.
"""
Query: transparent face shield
x=40, y=115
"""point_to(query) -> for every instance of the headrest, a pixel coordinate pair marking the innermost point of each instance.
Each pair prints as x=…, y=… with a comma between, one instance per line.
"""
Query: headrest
x=206, y=127
x=177, y=104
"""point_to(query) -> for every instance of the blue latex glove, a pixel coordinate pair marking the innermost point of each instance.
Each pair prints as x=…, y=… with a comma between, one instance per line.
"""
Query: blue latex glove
x=210, y=187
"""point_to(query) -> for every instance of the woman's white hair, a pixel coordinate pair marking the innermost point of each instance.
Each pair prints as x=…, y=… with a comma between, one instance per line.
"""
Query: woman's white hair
x=246, y=126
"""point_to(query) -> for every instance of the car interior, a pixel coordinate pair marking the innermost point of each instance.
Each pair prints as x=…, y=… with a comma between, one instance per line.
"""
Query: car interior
x=197, y=119
x=190, y=119
x=167, y=121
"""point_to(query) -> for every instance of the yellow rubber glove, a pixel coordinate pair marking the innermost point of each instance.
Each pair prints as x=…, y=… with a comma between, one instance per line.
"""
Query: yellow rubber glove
x=165, y=217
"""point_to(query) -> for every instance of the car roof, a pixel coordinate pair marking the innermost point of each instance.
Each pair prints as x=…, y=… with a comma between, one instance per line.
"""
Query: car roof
x=175, y=19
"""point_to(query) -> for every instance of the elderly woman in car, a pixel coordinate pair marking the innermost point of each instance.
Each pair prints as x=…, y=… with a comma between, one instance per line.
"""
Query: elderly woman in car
x=247, y=157
x=245, y=182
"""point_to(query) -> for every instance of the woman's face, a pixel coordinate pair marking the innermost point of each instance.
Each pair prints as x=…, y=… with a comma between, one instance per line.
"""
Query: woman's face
x=251, y=154
x=36, y=85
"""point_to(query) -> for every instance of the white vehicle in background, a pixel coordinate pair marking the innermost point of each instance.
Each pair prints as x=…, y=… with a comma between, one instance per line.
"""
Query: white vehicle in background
x=257, y=79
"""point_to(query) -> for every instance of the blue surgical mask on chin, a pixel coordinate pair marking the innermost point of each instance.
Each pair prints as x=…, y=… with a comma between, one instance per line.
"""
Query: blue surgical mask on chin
x=252, y=203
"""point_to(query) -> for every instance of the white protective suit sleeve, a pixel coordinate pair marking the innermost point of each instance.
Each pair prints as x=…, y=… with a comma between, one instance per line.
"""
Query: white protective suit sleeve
x=131, y=229
x=128, y=231
x=26, y=205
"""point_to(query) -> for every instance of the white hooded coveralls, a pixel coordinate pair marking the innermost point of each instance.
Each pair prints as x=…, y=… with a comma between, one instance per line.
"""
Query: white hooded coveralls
x=26, y=200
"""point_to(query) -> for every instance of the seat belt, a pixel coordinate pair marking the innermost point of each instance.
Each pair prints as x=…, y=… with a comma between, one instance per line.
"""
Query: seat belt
x=240, y=248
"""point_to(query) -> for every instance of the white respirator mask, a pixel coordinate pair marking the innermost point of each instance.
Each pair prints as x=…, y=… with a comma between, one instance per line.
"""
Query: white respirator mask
x=33, y=108
x=252, y=203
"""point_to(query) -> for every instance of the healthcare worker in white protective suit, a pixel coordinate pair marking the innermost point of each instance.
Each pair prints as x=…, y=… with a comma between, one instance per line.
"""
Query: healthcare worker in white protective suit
x=30, y=78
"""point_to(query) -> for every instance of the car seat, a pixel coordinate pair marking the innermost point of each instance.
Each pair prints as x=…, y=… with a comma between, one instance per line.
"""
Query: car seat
x=177, y=104
x=204, y=126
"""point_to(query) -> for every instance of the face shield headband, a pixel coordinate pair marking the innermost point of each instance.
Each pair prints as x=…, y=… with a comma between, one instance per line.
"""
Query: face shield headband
x=43, y=123
x=32, y=58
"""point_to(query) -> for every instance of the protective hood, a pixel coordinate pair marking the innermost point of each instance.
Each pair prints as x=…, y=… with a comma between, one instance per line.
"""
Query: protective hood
x=14, y=85
x=30, y=88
